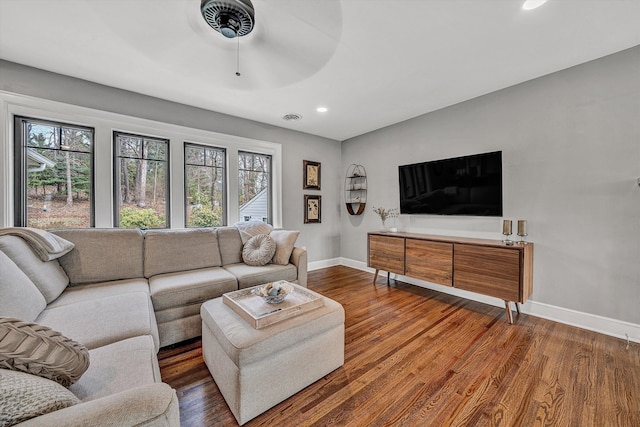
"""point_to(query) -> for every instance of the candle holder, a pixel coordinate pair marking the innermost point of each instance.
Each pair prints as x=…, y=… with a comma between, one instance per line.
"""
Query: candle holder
x=522, y=231
x=506, y=230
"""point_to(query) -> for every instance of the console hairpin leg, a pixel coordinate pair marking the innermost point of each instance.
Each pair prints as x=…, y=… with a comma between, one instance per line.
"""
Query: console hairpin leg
x=388, y=278
x=507, y=305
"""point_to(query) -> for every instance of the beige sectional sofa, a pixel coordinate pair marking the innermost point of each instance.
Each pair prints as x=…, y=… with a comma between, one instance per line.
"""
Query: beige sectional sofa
x=123, y=294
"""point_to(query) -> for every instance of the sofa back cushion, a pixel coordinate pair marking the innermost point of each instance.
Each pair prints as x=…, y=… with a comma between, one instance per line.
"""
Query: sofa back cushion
x=48, y=276
x=167, y=251
x=19, y=297
x=103, y=254
x=230, y=245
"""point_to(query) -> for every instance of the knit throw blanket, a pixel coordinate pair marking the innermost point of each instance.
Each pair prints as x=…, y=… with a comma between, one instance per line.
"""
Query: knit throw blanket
x=46, y=245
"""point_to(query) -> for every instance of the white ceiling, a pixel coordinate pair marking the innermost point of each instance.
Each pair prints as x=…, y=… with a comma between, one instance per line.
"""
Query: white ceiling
x=371, y=62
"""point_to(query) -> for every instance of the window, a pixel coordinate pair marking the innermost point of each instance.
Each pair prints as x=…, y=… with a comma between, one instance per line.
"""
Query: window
x=254, y=186
x=53, y=174
x=141, y=181
x=204, y=177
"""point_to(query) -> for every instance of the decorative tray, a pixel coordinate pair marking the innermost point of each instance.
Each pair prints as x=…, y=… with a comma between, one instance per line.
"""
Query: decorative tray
x=258, y=313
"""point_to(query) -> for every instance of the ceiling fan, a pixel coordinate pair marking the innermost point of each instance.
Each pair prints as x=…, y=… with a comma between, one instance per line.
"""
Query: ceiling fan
x=283, y=41
x=231, y=18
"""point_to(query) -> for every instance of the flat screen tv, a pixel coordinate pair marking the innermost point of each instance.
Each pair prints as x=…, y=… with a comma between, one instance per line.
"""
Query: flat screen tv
x=468, y=185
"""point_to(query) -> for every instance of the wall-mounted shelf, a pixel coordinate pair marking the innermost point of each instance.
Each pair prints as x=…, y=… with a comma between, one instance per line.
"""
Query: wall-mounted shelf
x=355, y=189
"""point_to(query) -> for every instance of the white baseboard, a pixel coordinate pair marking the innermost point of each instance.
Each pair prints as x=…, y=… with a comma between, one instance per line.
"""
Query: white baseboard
x=592, y=322
x=316, y=265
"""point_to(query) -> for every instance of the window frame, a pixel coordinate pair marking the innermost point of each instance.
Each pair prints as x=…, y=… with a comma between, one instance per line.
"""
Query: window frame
x=270, y=213
x=225, y=181
x=20, y=178
x=104, y=123
x=116, y=175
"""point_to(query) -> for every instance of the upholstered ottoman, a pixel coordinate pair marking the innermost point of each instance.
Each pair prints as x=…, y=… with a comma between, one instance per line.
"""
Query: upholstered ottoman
x=257, y=368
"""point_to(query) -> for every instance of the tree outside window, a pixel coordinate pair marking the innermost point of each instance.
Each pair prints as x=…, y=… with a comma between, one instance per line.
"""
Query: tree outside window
x=54, y=174
x=141, y=181
x=254, y=186
x=205, y=185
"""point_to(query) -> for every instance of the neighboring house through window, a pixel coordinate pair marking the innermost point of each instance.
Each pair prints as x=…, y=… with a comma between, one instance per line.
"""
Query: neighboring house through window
x=205, y=185
x=254, y=186
x=141, y=181
x=53, y=185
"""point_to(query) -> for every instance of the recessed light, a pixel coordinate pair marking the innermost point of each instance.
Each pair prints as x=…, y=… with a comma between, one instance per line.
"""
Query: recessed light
x=533, y=4
x=322, y=109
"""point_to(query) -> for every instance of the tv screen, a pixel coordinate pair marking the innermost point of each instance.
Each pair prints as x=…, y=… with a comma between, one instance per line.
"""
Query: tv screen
x=469, y=185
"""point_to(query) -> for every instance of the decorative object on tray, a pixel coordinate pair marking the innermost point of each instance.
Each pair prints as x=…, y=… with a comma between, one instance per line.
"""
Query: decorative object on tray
x=274, y=293
x=259, y=314
x=311, y=173
x=386, y=214
x=312, y=209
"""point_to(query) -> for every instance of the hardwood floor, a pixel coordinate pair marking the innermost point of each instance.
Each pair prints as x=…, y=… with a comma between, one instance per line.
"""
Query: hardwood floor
x=415, y=357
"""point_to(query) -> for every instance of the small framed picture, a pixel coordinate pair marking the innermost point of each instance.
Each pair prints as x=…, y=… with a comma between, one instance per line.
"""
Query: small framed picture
x=312, y=208
x=311, y=174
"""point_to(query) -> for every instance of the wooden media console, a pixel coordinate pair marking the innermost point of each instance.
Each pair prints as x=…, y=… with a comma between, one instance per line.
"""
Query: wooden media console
x=488, y=267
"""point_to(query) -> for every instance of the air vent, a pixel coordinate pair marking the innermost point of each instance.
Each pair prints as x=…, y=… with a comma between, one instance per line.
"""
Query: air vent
x=292, y=117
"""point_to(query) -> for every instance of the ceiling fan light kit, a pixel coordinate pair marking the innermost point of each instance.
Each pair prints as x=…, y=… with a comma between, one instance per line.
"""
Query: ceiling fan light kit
x=231, y=18
x=533, y=4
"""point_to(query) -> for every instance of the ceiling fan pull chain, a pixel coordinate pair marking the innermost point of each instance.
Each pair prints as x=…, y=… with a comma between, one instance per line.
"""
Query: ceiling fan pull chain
x=238, y=58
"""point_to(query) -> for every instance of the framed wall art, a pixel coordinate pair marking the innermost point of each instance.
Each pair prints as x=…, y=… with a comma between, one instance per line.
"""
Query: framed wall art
x=312, y=209
x=311, y=175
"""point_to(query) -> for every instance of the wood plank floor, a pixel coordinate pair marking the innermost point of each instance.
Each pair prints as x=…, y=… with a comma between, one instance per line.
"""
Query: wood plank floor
x=415, y=357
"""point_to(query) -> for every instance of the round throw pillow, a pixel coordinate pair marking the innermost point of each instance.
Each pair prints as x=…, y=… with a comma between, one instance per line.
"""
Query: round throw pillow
x=258, y=250
x=38, y=350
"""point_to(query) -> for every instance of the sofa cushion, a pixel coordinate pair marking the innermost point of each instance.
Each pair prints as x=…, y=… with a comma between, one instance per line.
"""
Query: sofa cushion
x=179, y=250
x=177, y=313
x=103, y=321
x=117, y=367
x=102, y=255
x=20, y=297
x=259, y=250
x=285, y=241
x=79, y=293
x=257, y=275
x=190, y=287
x=230, y=245
x=38, y=350
x=24, y=396
x=48, y=276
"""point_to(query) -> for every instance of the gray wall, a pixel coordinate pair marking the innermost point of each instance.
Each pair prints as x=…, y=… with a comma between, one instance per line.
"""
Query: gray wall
x=571, y=158
x=321, y=240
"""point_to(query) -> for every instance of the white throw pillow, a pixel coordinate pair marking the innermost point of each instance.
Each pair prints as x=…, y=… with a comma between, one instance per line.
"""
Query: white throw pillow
x=248, y=229
x=285, y=242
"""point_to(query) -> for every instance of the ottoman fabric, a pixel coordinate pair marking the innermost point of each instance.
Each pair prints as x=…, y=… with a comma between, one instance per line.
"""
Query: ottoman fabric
x=257, y=369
